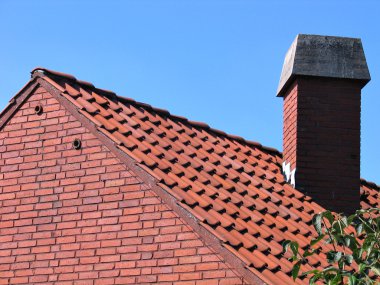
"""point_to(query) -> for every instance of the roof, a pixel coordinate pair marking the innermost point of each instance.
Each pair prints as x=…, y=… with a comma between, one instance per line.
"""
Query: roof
x=233, y=187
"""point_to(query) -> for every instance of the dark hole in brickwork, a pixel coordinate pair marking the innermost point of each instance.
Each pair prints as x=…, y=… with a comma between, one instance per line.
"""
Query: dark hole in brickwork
x=77, y=144
x=38, y=109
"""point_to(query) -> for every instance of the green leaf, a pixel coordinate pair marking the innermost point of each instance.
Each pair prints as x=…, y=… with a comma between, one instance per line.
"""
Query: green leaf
x=313, y=279
x=337, y=279
x=329, y=216
x=363, y=251
x=347, y=241
x=331, y=256
x=353, y=242
x=376, y=269
x=359, y=228
x=377, y=222
x=349, y=258
x=316, y=240
x=317, y=222
x=337, y=227
x=330, y=269
x=368, y=243
x=314, y=271
x=352, y=280
x=367, y=227
x=362, y=267
x=343, y=221
x=296, y=270
x=350, y=219
x=337, y=256
x=308, y=253
x=285, y=246
x=294, y=247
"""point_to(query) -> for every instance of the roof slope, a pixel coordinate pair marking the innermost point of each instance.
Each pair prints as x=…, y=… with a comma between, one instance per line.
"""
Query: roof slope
x=235, y=188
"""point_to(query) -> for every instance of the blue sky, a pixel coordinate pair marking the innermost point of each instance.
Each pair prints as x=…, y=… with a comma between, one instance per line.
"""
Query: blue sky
x=212, y=61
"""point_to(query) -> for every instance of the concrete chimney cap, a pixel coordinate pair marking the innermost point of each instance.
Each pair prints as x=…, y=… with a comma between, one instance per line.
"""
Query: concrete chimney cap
x=324, y=56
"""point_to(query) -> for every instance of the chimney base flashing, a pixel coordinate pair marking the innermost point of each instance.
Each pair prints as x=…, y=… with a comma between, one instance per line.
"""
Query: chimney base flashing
x=290, y=175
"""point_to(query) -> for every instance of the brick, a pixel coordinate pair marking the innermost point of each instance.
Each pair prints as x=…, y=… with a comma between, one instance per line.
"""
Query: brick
x=130, y=272
x=168, y=277
x=125, y=280
x=110, y=205
x=91, y=215
x=19, y=280
x=191, y=276
x=92, y=200
x=207, y=266
x=214, y=274
x=147, y=279
x=185, y=252
x=106, y=251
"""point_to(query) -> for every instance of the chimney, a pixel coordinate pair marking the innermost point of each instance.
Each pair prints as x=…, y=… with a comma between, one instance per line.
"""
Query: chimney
x=321, y=84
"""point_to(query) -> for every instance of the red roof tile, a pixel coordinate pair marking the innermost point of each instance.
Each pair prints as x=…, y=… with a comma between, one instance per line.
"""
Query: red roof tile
x=234, y=187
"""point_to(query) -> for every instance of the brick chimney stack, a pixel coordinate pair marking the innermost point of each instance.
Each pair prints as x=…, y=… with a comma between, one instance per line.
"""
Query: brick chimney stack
x=321, y=84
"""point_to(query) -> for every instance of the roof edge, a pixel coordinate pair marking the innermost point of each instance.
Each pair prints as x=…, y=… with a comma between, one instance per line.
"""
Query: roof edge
x=16, y=101
x=41, y=72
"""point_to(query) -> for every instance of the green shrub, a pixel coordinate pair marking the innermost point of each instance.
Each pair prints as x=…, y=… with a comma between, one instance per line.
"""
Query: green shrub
x=356, y=244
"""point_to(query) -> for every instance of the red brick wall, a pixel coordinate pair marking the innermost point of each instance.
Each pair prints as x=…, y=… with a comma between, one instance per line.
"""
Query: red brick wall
x=290, y=126
x=80, y=217
x=322, y=140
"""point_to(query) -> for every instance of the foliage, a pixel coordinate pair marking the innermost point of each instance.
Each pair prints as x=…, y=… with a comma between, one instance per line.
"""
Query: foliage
x=354, y=241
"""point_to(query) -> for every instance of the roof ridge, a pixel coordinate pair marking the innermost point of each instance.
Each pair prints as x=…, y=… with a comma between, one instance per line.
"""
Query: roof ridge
x=202, y=125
